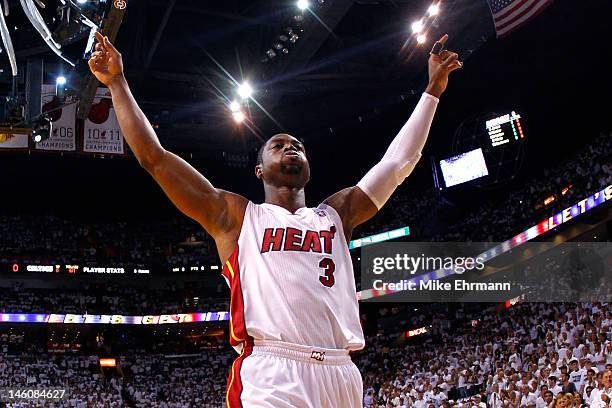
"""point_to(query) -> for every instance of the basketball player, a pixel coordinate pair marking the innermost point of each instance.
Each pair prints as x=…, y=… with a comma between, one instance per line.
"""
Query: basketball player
x=294, y=315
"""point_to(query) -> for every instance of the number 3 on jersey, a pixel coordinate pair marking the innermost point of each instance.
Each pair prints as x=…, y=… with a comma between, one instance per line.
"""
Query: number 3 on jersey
x=328, y=279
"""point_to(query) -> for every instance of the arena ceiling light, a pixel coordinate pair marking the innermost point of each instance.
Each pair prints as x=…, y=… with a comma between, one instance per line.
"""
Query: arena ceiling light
x=239, y=116
x=60, y=87
x=245, y=90
x=234, y=106
x=303, y=4
x=421, y=38
x=433, y=10
x=417, y=26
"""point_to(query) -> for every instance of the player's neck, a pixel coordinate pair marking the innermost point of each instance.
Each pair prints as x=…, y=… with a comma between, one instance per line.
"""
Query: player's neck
x=289, y=198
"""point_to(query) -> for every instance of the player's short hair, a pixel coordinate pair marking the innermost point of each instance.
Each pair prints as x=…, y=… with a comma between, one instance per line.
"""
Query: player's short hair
x=260, y=153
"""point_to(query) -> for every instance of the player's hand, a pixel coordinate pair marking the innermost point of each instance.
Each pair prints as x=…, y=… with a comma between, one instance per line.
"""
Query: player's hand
x=440, y=66
x=105, y=62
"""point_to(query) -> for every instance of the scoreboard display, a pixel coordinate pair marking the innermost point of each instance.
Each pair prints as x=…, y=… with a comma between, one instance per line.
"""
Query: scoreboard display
x=64, y=269
x=505, y=129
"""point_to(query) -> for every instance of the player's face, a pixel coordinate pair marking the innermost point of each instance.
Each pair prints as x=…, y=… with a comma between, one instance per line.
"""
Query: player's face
x=284, y=162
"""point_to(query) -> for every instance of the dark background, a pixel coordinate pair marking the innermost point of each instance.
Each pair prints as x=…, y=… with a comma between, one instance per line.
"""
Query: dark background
x=553, y=71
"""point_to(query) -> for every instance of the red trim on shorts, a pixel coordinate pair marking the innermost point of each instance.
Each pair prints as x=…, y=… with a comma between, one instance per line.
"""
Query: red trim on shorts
x=234, y=382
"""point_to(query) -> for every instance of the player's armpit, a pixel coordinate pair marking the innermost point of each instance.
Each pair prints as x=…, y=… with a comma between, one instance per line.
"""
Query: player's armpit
x=353, y=206
x=219, y=212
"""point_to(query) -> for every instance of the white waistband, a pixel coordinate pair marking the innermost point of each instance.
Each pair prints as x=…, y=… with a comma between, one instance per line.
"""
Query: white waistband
x=307, y=354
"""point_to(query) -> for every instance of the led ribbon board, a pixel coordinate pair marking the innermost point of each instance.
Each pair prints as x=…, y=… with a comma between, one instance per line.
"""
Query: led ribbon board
x=384, y=236
x=542, y=227
x=416, y=332
x=73, y=269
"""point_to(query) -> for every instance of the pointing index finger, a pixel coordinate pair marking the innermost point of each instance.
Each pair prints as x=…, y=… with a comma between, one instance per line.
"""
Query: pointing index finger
x=108, y=45
x=443, y=39
x=99, y=37
x=101, y=44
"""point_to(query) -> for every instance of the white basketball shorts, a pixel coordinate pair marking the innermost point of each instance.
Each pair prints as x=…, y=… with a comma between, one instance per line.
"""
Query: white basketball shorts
x=272, y=374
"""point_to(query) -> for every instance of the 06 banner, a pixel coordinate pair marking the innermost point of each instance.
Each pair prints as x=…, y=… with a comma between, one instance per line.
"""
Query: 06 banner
x=63, y=120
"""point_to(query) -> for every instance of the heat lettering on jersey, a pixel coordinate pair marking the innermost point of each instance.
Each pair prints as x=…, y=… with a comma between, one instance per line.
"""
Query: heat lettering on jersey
x=293, y=239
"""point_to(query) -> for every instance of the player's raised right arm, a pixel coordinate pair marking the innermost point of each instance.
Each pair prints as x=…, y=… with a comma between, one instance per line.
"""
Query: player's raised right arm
x=218, y=211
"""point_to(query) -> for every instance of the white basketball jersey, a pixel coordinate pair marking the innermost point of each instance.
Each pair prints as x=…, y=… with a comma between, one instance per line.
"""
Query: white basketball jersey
x=291, y=279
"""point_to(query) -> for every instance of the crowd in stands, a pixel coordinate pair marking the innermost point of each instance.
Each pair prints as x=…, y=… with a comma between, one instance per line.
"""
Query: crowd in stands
x=142, y=380
x=542, y=355
x=196, y=381
x=112, y=299
x=501, y=216
x=182, y=243
x=47, y=239
x=530, y=355
x=589, y=172
x=79, y=375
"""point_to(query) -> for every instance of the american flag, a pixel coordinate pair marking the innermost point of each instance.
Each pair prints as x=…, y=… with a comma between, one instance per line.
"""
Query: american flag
x=509, y=15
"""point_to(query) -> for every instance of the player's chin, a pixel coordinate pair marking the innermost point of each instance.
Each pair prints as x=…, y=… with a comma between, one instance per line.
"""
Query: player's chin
x=291, y=168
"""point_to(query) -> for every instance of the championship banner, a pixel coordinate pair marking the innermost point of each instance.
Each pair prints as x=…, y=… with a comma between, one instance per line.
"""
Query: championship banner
x=17, y=140
x=101, y=132
x=63, y=120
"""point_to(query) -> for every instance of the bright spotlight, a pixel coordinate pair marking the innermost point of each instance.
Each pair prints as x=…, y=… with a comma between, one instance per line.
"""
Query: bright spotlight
x=81, y=1
x=234, y=106
x=245, y=91
x=239, y=116
x=303, y=4
x=60, y=88
x=433, y=10
x=421, y=38
x=417, y=26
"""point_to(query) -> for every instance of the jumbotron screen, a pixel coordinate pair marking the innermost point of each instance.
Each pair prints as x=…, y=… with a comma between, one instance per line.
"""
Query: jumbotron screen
x=505, y=129
x=464, y=167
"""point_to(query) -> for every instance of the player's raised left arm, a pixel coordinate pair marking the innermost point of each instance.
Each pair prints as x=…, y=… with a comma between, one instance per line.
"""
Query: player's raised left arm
x=359, y=203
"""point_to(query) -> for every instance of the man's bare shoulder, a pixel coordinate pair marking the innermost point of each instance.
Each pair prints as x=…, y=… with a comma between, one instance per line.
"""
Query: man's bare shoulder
x=231, y=220
x=235, y=207
x=234, y=198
